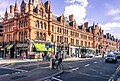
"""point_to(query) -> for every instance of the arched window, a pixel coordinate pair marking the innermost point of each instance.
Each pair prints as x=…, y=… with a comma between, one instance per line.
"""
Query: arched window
x=44, y=37
x=22, y=36
x=19, y=24
x=37, y=24
x=40, y=36
x=9, y=37
x=97, y=37
x=41, y=25
x=45, y=26
x=37, y=35
x=19, y=36
x=52, y=38
x=25, y=35
x=22, y=24
x=53, y=28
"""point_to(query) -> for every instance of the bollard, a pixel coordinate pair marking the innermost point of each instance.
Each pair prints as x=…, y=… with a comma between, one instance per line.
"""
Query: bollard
x=51, y=63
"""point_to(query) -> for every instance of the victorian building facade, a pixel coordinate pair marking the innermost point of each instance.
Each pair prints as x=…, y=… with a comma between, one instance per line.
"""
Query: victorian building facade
x=35, y=28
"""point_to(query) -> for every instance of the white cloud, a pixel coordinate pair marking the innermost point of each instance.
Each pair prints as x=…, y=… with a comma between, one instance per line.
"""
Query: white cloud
x=109, y=26
x=78, y=9
x=116, y=18
x=112, y=28
x=113, y=12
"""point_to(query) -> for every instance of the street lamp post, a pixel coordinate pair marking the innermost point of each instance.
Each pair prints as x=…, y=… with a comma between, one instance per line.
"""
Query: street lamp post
x=2, y=19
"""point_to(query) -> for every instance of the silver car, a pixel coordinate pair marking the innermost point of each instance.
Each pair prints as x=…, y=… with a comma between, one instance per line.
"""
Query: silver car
x=111, y=58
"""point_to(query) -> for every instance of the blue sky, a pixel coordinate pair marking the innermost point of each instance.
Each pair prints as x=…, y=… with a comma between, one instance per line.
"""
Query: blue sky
x=104, y=12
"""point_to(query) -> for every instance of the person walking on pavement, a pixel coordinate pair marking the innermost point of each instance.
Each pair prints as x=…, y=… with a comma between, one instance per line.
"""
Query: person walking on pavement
x=24, y=55
x=43, y=56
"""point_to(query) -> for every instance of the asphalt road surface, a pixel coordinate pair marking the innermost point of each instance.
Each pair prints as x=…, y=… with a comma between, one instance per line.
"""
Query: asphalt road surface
x=8, y=69
x=89, y=70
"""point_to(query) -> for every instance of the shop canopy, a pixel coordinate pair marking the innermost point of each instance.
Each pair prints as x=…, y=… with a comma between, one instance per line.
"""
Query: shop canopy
x=51, y=49
x=40, y=47
x=10, y=46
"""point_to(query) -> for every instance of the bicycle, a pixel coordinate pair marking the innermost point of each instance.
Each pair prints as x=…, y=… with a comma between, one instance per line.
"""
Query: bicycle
x=58, y=65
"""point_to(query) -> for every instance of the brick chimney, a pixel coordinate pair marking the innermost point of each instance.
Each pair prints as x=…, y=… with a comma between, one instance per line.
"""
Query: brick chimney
x=71, y=18
x=12, y=9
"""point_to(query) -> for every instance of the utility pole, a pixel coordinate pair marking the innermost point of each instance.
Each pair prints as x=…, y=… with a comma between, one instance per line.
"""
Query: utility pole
x=55, y=43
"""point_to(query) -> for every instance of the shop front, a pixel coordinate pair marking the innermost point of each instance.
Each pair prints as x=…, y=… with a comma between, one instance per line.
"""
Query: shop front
x=75, y=51
x=45, y=49
x=19, y=49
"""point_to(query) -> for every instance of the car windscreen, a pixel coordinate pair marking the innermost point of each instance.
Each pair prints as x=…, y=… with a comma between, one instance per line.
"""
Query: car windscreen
x=110, y=55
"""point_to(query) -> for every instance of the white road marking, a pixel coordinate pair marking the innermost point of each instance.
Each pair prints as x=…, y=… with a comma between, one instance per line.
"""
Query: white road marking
x=56, y=79
x=70, y=66
x=112, y=77
x=44, y=67
x=95, y=62
x=92, y=75
x=58, y=76
x=73, y=69
x=14, y=69
x=100, y=60
x=80, y=61
x=69, y=63
x=100, y=72
x=87, y=65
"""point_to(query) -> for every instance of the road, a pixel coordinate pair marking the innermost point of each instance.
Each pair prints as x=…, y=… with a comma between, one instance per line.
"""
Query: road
x=94, y=69
x=89, y=70
x=8, y=69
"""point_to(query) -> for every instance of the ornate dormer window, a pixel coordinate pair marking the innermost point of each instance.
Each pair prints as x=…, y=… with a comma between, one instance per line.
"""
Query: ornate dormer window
x=41, y=12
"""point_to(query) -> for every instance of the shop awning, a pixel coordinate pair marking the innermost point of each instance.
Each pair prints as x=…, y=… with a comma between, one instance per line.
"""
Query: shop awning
x=51, y=49
x=10, y=46
x=40, y=47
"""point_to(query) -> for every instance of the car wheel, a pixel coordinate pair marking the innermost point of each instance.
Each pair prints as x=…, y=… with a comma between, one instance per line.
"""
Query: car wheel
x=105, y=61
x=116, y=61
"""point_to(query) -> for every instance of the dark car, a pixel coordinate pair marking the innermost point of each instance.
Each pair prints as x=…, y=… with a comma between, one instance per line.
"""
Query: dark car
x=111, y=58
x=117, y=55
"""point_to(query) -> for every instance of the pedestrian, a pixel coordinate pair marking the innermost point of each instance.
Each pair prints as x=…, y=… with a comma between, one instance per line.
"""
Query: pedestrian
x=43, y=56
x=103, y=54
x=24, y=55
x=56, y=56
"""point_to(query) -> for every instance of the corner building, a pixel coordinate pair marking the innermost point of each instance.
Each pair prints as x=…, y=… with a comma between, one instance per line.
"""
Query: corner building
x=34, y=29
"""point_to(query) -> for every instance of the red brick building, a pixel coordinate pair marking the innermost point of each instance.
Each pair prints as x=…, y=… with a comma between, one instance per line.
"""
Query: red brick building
x=35, y=29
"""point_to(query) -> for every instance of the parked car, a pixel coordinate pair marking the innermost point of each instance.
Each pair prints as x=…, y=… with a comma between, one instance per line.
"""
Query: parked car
x=83, y=55
x=117, y=55
x=111, y=58
x=90, y=55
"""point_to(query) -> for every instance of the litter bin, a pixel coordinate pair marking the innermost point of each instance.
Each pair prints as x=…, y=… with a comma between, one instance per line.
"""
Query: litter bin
x=51, y=63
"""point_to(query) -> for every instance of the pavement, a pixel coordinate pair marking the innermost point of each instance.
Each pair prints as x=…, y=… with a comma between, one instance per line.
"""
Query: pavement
x=38, y=74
